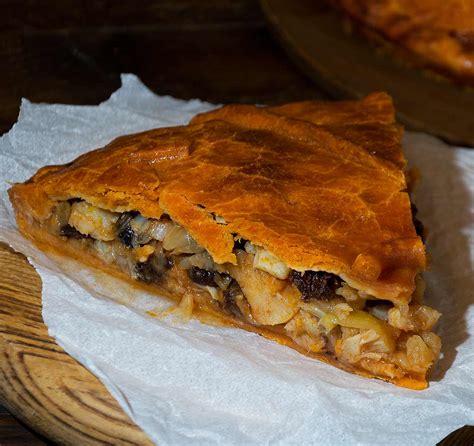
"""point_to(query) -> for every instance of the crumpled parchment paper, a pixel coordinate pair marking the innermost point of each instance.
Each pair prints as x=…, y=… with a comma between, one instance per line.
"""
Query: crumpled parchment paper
x=189, y=383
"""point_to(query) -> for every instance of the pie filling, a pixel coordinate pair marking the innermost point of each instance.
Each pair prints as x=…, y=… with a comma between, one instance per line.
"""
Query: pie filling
x=315, y=309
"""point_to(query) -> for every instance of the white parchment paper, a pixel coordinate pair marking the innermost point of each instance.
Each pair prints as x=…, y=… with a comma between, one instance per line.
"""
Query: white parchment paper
x=197, y=384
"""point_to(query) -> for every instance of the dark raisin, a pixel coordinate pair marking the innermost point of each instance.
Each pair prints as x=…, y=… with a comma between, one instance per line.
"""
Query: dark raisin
x=240, y=243
x=231, y=294
x=202, y=276
x=419, y=228
x=125, y=232
x=146, y=272
x=71, y=232
x=315, y=284
x=169, y=262
x=125, y=220
x=128, y=237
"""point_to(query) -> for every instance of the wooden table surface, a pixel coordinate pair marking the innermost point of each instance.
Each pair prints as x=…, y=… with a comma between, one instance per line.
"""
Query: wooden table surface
x=74, y=51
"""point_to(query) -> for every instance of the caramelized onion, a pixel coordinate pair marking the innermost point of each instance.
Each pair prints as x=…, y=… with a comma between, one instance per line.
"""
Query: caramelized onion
x=179, y=241
x=149, y=228
x=202, y=260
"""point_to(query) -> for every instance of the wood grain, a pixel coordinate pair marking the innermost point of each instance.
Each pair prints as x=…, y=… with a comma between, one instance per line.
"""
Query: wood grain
x=39, y=382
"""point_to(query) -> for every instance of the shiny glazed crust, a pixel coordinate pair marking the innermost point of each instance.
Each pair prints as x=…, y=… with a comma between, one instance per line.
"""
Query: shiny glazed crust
x=439, y=34
x=319, y=185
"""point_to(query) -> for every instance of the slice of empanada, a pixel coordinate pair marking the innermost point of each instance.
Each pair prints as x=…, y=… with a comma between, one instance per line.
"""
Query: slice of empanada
x=293, y=222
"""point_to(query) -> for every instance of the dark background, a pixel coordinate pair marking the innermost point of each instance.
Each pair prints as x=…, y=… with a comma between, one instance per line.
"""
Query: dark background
x=73, y=51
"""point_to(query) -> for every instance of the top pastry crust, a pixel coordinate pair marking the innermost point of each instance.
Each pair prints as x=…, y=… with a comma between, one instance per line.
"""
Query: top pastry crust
x=438, y=33
x=320, y=186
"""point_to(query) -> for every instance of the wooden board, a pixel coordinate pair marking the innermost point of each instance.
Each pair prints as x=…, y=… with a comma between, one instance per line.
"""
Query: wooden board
x=39, y=382
x=348, y=67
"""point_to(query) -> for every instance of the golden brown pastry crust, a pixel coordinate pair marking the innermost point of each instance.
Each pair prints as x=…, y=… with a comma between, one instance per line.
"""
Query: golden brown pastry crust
x=320, y=185
x=313, y=198
x=438, y=34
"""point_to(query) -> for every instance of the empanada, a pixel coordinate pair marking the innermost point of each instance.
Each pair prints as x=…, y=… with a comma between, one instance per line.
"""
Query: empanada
x=293, y=222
